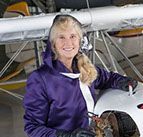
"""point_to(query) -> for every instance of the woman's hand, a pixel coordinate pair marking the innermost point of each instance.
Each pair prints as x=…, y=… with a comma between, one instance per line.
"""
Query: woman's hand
x=125, y=83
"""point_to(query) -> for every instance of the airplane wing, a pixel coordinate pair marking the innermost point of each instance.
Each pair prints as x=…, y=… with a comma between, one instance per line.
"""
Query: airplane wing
x=103, y=18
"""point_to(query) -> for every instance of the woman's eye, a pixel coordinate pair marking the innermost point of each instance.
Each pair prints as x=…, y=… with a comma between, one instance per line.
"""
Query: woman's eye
x=73, y=36
x=61, y=37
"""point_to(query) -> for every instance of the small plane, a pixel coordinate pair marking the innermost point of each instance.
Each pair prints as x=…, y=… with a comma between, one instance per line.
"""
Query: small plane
x=108, y=38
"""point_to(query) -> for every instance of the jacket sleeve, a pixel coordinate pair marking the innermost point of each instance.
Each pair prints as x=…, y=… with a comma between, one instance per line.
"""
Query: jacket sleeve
x=36, y=105
x=107, y=79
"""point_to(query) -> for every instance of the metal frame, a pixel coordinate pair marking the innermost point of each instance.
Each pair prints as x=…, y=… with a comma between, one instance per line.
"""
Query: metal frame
x=104, y=36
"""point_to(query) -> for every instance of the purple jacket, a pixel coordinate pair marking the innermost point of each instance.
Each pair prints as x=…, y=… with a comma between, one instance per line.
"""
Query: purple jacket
x=54, y=101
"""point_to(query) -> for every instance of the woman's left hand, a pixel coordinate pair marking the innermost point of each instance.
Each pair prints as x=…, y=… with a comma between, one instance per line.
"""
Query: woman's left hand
x=125, y=83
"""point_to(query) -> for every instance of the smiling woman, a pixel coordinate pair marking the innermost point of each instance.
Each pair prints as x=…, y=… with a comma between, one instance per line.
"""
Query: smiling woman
x=61, y=93
x=66, y=40
x=65, y=36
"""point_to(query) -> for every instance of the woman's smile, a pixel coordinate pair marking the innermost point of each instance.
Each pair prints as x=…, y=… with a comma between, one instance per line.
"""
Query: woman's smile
x=68, y=49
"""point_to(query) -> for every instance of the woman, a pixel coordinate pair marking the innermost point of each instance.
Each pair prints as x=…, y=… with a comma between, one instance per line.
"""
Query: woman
x=55, y=104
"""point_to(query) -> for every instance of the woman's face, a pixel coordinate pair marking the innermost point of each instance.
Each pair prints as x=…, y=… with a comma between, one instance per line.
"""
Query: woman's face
x=67, y=43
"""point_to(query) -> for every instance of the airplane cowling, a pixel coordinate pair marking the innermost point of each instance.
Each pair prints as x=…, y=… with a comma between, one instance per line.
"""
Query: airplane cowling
x=115, y=100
